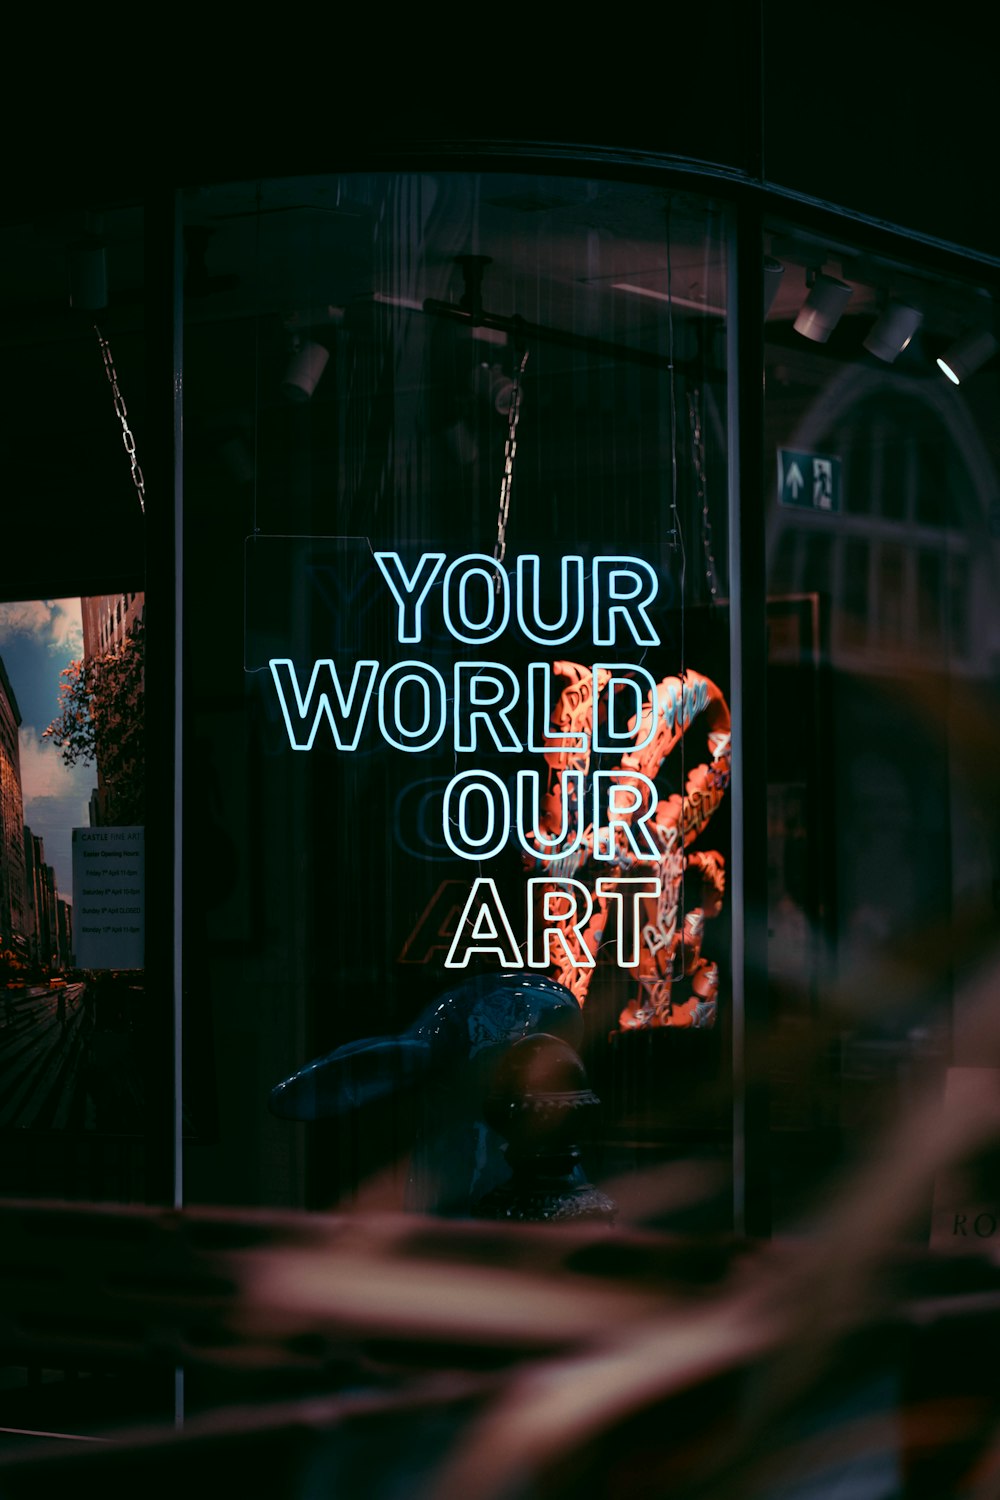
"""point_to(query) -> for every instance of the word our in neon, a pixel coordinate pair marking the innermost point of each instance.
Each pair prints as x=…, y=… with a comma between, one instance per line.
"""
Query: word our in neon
x=476, y=816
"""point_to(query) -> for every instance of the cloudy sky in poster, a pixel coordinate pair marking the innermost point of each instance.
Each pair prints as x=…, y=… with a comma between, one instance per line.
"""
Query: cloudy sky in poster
x=38, y=638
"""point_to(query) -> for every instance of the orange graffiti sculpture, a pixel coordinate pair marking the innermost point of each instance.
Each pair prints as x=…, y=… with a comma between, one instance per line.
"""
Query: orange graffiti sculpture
x=671, y=944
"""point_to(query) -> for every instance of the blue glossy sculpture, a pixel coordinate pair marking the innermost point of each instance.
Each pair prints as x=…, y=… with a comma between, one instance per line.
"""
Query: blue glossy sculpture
x=447, y=1060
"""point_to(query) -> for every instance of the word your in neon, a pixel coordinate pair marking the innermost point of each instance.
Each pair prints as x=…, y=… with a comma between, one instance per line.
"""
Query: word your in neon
x=476, y=598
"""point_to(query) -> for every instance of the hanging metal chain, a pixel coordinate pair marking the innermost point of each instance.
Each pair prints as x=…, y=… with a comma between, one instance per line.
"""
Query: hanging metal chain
x=121, y=412
x=698, y=452
x=510, y=448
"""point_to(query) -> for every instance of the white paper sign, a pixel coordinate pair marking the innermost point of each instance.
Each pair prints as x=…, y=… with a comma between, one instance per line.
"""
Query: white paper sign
x=109, y=898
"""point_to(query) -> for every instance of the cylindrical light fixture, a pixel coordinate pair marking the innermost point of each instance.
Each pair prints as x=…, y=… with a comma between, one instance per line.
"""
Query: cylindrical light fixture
x=491, y=383
x=893, y=330
x=304, y=369
x=820, y=312
x=968, y=354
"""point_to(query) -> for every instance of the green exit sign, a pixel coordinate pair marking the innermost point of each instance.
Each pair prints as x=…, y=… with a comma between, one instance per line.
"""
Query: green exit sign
x=809, y=481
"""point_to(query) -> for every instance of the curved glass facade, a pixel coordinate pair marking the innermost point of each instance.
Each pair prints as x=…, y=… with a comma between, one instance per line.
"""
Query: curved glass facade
x=458, y=512
x=498, y=701
x=465, y=501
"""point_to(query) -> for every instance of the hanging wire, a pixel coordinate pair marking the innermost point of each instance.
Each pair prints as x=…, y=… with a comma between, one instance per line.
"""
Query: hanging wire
x=677, y=544
x=256, y=351
x=507, y=480
x=255, y=530
x=698, y=456
x=121, y=411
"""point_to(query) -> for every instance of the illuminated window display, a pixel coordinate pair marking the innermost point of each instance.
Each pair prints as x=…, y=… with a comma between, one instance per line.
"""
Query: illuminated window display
x=473, y=455
x=467, y=684
x=467, y=465
x=565, y=785
x=882, y=555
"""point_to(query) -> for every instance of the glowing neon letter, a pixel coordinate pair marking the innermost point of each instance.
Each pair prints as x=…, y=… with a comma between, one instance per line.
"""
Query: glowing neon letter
x=410, y=601
x=347, y=713
x=572, y=892
x=531, y=838
x=571, y=617
x=610, y=737
x=496, y=594
x=626, y=901
x=540, y=686
x=627, y=787
x=497, y=822
x=427, y=733
x=491, y=931
x=623, y=590
x=482, y=686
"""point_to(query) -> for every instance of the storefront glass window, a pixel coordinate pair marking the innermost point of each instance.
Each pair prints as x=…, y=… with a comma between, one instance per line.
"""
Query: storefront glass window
x=77, y=1074
x=456, y=673
x=84, y=1075
x=881, y=537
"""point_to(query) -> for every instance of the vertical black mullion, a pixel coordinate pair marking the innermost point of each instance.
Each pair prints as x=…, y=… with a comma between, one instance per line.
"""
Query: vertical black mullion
x=161, y=467
x=753, y=122
x=748, y=639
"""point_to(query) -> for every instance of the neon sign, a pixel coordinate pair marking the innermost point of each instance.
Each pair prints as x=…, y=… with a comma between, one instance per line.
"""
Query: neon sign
x=622, y=588
x=603, y=855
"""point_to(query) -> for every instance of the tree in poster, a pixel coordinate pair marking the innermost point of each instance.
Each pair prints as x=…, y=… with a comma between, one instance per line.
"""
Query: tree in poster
x=101, y=721
x=13, y=967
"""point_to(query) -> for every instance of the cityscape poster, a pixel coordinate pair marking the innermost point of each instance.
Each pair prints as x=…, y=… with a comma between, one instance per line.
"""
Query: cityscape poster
x=70, y=779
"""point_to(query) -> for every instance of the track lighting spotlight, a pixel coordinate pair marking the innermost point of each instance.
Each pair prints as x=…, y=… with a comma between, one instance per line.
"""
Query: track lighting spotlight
x=892, y=331
x=968, y=354
x=490, y=383
x=820, y=312
x=773, y=272
x=305, y=366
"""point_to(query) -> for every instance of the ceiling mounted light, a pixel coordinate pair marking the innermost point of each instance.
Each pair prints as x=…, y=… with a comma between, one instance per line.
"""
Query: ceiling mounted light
x=305, y=367
x=491, y=383
x=968, y=354
x=773, y=272
x=892, y=330
x=820, y=312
